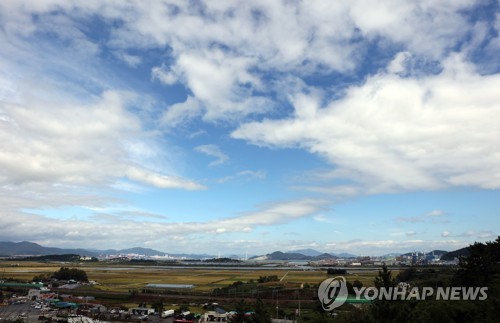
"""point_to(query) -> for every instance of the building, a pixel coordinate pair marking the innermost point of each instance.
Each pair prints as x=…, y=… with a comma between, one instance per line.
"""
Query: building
x=213, y=316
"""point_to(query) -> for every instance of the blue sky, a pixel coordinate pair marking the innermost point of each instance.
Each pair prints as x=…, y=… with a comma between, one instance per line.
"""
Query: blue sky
x=250, y=126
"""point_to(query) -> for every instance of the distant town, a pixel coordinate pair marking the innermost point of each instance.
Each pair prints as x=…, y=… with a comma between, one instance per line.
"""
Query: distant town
x=304, y=257
x=41, y=284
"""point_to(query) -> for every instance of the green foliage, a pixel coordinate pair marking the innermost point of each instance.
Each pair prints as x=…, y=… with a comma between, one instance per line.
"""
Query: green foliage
x=158, y=306
x=480, y=269
x=42, y=278
x=406, y=275
x=336, y=271
x=480, y=266
x=66, y=273
x=241, y=309
x=222, y=260
x=350, y=286
x=266, y=279
x=261, y=315
x=184, y=308
x=384, y=278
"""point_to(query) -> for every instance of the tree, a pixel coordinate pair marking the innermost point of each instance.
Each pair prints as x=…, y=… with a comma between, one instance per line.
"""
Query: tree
x=42, y=278
x=388, y=310
x=480, y=266
x=66, y=273
x=266, y=279
x=158, y=306
x=384, y=278
x=241, y=309
x=355, y=284
x=261, y=315
x=336, y=271
x=405, y=275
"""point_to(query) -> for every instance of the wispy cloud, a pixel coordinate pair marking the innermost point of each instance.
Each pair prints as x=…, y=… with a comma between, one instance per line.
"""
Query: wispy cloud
x=247, y=174
x=213, y=151
x=372, y=130
x=481, y=234
x=380, y=247
x=434, y=216
x=124, y=231
x=323, y=218
x=98, y=100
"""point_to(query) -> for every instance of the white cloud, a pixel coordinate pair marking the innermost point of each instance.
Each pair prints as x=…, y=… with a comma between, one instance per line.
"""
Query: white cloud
x=131, y=60
x=181, y=112
x=213, y=151
x=393, y=133
x=161, y=181
x=436, y=213
x=278, y=213
x=324, y=219
x=65, y=143
x=246, y=174
x=64, y=131
x=122, y=232
x=381, y=247
x=435, y=216
x=481, y=234
x=399, y=63
x=220, y=52
x=164, y=75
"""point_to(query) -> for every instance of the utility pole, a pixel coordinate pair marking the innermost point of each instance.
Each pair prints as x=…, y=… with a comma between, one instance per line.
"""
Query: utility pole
x=277, y=305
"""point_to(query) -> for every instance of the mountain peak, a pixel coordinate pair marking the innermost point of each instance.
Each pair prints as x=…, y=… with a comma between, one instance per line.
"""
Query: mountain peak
x=307, y=252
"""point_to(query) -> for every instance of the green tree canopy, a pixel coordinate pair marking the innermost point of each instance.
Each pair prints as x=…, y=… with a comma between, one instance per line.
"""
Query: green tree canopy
x=66, y=273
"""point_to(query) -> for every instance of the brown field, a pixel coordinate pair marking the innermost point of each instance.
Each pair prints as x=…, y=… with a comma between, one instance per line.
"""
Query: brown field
x=122, y=278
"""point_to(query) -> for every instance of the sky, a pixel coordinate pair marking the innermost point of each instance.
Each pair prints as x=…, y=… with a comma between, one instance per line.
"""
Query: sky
x=246, y=127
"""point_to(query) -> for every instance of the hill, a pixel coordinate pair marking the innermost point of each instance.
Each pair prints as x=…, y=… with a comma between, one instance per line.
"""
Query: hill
x=291, y=256
x=306, y=252
x=315, y=253
x=449, y=256
x=26, y=248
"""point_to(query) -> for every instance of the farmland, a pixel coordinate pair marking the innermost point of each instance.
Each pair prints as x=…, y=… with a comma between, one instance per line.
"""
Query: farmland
x=123, y=278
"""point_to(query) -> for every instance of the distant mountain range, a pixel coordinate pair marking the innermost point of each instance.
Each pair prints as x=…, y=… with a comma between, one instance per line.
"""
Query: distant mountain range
x=303, y=254
x=316, y=253
x=25, y=248
x=449, y=256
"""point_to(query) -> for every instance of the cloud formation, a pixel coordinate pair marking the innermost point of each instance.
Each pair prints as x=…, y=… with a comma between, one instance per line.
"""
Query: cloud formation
x=99, y=97
x=395, y=133
x=118, y=231
x=213, y=151
x=72, y=144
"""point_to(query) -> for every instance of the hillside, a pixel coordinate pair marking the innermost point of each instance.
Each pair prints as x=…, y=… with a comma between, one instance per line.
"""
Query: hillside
x=26, y=248
x=449, y=256
x=290, y=256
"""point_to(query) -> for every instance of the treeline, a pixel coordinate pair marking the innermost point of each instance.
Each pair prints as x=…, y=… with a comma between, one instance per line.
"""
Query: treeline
x=267, y=279
x=336, y=271
x=481, y=268
x=64, y=257
x=222, y=260
x=64, y=273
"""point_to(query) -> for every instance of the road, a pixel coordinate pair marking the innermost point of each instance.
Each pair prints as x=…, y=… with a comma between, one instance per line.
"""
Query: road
x=12, y=312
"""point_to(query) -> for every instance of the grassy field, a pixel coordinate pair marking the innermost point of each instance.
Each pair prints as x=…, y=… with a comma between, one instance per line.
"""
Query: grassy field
x=122, y=278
